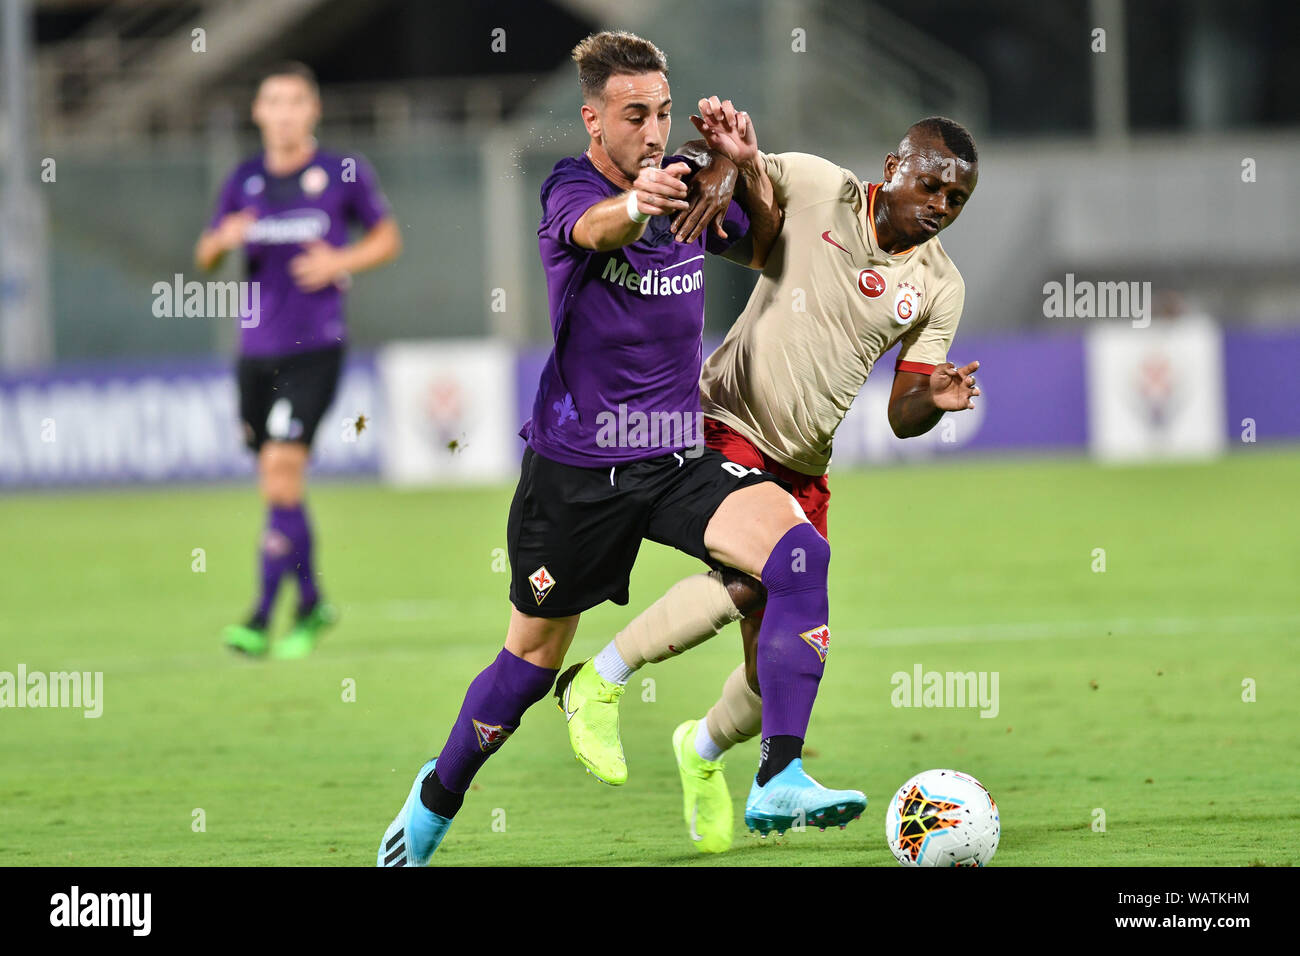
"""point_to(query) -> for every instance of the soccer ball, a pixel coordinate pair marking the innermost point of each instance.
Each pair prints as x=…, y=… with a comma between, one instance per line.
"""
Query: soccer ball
x=942, y=818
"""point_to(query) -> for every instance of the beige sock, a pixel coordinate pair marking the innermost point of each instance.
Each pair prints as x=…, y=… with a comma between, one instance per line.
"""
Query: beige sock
x=738, y=714
x=693, y=610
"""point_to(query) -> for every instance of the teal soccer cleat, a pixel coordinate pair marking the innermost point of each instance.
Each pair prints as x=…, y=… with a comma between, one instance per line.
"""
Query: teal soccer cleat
x=416, y=832
x=794, y=799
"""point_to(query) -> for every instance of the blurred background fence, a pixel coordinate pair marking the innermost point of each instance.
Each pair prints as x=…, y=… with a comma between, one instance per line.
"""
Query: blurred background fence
x=1163, y=149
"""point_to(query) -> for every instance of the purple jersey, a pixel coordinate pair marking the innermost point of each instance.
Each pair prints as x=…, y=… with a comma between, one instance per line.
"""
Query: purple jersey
x=625, y=371
x=318, y=202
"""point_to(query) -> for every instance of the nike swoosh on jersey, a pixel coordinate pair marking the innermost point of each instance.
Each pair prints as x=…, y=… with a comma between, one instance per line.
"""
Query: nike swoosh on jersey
x=827, y=236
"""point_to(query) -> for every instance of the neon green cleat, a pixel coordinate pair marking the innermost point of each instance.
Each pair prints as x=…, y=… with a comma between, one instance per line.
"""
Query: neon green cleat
x=247, y=640
x=302, y=639
x=590, y=705
x=706, y=801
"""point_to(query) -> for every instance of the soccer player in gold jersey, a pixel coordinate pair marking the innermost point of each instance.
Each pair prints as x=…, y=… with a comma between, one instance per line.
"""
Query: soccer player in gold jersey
x=856, y=269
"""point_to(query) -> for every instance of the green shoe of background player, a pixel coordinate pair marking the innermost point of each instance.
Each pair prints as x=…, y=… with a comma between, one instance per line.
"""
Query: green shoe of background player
x=590, y=705
x=302, y=639
x=247, y=640
x=706, y=803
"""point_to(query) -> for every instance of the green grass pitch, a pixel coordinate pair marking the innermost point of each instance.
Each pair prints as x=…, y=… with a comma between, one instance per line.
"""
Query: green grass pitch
x=1119, y=692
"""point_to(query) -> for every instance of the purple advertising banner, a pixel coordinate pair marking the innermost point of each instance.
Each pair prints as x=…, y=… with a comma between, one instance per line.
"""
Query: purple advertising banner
x=1034, y=397
x=1034, y=389
x=1258, y=365
x=177, y=420
x=159, y=421
x=1031, y=397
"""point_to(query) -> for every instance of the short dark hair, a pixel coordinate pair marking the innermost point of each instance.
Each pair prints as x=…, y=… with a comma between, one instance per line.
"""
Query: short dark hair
x=291, y=68
x=955, y=136
x=611, y=53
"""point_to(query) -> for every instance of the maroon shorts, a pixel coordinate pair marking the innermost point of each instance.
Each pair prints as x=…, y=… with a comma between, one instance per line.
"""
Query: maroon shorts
x=812, y=493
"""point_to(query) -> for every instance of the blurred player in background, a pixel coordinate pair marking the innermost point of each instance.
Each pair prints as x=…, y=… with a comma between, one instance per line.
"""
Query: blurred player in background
x=289, y=208
x=855, y=270
x=627, y=312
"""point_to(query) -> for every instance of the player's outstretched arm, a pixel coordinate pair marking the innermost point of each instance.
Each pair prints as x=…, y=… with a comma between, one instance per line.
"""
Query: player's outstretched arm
x=758, y=198
x=918, y=401
x=382, y=244
x=619, y=220
x=731, y=132
x=213, y=244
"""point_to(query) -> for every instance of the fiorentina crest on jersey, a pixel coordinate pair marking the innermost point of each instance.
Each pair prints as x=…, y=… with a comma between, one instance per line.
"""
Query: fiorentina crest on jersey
x=490, y=736
x=313, y=181
x=819, y=639
x=542, y=583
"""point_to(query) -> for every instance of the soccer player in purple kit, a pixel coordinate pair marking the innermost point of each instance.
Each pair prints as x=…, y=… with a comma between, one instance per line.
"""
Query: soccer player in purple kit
x=289, y=208
x=627, y=313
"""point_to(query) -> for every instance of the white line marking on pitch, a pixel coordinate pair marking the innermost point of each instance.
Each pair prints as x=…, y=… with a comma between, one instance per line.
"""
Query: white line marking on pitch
x=1046, y=630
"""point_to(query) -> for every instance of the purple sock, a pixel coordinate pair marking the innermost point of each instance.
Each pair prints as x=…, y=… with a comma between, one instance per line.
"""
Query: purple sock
x=276, y=557
x=493, y=707
x=298, y=530
x=795, y=636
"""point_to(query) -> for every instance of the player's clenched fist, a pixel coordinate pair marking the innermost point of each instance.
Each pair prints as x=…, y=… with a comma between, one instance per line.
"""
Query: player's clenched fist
x=661, y=191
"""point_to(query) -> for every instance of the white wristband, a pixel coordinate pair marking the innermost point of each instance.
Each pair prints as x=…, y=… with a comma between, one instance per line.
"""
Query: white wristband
x=633, y=213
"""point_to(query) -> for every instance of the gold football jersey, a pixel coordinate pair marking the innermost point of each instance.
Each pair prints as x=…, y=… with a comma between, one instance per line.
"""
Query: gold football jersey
x=828, y=304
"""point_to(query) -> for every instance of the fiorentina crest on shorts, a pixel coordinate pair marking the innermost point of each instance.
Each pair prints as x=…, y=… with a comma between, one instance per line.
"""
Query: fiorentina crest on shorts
x=490, y=736
x=819, y=639
x=542, y=582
